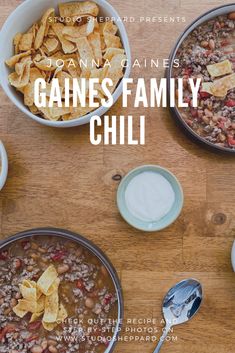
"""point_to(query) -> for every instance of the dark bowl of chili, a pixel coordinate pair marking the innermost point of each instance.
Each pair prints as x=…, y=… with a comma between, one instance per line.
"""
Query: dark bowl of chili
x=229, y=145
x=34, y=234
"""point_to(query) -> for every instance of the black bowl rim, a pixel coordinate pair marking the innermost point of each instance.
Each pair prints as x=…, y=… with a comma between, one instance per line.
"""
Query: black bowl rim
x=175, y=112
x=66, y=234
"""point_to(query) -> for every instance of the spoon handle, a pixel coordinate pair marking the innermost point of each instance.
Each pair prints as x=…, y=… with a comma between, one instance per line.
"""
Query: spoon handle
x=162, y=339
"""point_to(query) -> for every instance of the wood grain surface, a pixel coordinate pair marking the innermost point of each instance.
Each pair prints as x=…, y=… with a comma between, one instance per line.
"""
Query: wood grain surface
x=57, y=178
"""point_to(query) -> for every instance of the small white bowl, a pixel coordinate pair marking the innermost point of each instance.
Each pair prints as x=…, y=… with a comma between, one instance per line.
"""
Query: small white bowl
x=233, y=256
x=21, y=19
x=4, y=165
x=169, y=218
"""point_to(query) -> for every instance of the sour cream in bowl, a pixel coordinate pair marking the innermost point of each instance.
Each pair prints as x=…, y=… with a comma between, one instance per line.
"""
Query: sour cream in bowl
x=150, y=198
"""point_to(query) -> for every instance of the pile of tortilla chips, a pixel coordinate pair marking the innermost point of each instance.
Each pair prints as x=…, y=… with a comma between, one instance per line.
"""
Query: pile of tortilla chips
x=81, y=39
x=41, y=298
x=220, y=87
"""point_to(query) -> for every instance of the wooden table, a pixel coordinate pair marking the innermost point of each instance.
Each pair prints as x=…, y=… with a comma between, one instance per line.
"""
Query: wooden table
x=57, y=178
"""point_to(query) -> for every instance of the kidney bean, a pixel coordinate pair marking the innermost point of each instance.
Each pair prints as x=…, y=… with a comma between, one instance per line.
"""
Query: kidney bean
x=13, y=302
x=52, y=342
x=204, y=44
x=225, y=42
x=231, y=16
x=34, y=325
x=36, y=349
x=18, y=295
x=231, y=140
x=52, y=349
x=211, y=44
x=31, y=338
x=44, y=344
x=204, y=95
x=34, y=256
x=230, y=103
x=89, y=303
x=59, y=255
x=222, y=137
x=4, y=255
x=108, y=298
x=80, y=284
x=5, y=330
x=7, y=311
x=17, y=263
x=25, y=244
x=41, y=250
x=62, y=269
x=206, y=119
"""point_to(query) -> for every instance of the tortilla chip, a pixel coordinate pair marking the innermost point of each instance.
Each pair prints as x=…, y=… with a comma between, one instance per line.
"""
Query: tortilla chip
x=115, y=71
x=22, y=80
x=99, y=73
x=40, y=304
x=62, y=314
x=78, y=112
x=35, y=73
x=49, y=326
x=16, y=58
x=29, y=284
x=43, y=28
x=220, y=69
x=110, y=28
x=51, y=308
x=26, y=305
x=16, y=42
x=206, y=87
x=78, y=8
x=28, y=293
x=51, y=45
x=26, y=42
x=46, y=64
x=85, y=52
x=34, y=110
x=20, y=313
x=62, y=75
x=35, y=316
x=80, y=31
x=112, y=41
x=51, y=33
x=95, y=42
x=67, y=46
x=111, y=52
x=221, y=86
x=29, y=94
x=47, y=279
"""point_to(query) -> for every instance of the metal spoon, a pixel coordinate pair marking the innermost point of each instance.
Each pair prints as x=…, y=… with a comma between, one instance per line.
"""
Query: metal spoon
x=179, y=305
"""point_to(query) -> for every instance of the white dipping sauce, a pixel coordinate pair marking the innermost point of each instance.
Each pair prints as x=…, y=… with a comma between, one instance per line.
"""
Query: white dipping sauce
x=149, y=196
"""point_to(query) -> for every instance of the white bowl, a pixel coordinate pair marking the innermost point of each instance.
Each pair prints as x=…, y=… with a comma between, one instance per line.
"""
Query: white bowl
x=21, y=20
x=4, y=165
x=233, y=256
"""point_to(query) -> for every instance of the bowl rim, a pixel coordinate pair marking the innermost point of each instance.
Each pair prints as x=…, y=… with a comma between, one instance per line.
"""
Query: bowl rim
x=4, y=165
x=100, y=110
x=141, y=169
x=174, y=110
x=88, y=244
